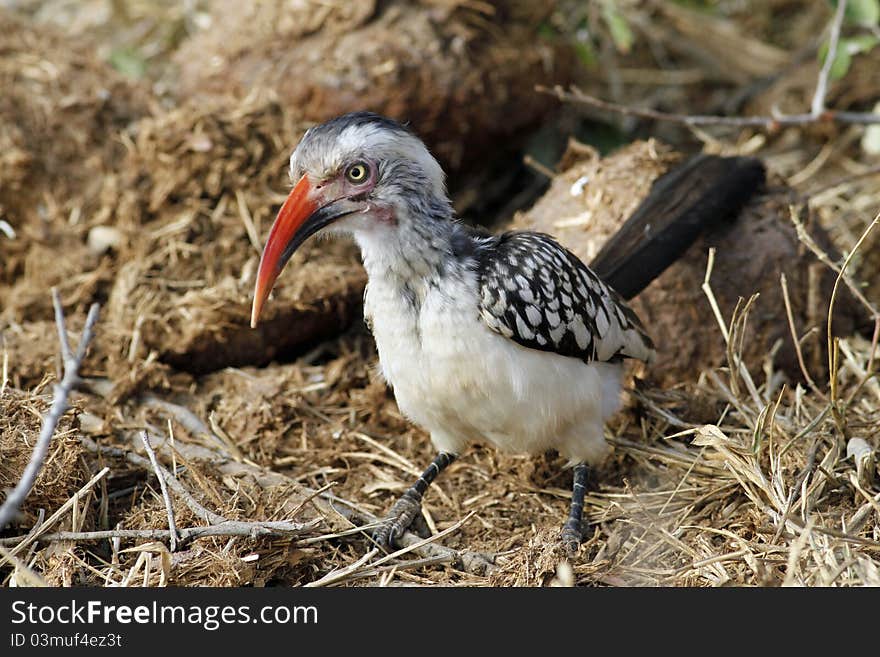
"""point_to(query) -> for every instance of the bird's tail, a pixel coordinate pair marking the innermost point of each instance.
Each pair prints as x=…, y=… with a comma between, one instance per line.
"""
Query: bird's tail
x=705, y=191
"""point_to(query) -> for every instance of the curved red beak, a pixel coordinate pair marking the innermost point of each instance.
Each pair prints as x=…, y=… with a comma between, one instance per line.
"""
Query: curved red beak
x=291, y=228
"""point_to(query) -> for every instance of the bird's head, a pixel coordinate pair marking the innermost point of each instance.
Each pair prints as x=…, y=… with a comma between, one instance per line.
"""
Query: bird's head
x=359, y=173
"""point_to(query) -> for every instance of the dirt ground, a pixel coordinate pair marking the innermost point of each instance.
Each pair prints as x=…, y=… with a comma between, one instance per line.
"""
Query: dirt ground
x=143, y=155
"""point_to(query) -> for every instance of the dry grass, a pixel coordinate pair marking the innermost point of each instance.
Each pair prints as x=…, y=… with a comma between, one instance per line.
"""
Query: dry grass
x=729, y=477
x=763, y=495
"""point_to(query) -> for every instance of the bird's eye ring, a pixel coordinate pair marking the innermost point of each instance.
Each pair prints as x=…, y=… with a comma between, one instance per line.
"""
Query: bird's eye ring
x=357, y=172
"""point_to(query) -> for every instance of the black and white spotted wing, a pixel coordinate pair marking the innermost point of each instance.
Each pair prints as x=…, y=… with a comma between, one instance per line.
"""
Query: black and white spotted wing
x=536, y=292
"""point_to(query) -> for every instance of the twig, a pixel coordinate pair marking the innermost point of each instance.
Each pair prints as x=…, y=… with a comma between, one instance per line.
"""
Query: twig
x=172, y=526
x=219, y=525
x=412, y=564
x=172, y=481
x=470, y=562
x=69, y=381
x=411, y=547
x=248, y=221
x=340, y=534
x=718, y=558
x=818, y=105
x=818, y=112
x=228, y=528
x=730, y=334
x=655, y=408
x=766, y=122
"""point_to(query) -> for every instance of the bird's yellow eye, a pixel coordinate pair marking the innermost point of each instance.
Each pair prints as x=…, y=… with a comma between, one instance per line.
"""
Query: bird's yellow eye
x=357, y=173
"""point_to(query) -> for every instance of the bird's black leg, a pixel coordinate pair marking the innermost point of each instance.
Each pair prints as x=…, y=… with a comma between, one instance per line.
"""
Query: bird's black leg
x=571, y=532
x=408, y=506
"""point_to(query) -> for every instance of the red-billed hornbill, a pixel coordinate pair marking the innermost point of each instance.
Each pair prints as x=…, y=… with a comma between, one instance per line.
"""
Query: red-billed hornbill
x=508, y=339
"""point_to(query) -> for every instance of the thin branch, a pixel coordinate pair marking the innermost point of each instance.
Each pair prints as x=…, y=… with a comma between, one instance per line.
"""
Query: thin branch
x=769, y=123
x=172, y=526
x=66, y=353
x=543, y=169
x=737, y=324
x=69, y=381
x=818, y=112
x=818, y=105
x=412, y=564
x=228, y=528
x=470, y=562
x=578, y=96
x=340, y=574
x=172, y=481
x=219, y=525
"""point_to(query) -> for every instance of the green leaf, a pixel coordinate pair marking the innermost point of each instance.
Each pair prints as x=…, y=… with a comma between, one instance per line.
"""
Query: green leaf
x=846, y=49
x=859, y=43
x=586, y=53
x=620, y=31
x=862, y=12
x=840, y=65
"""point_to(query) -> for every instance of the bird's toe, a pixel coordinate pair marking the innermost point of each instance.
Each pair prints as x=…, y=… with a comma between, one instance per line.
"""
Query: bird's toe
x=397, y=521
x=571, y=538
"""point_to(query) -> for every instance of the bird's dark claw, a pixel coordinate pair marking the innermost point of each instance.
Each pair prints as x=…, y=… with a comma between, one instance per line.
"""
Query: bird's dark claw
x=571, y=538
x=398, y=520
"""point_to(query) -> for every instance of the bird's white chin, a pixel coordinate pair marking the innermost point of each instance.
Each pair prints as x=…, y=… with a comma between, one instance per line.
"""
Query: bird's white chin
x=372, y=219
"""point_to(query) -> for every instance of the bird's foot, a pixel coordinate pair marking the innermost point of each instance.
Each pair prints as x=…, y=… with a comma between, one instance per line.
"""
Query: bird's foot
x=401, y=516
x=571, y=537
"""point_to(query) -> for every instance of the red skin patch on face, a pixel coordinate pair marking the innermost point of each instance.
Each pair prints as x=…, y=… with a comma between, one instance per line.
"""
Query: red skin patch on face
x=383, y=214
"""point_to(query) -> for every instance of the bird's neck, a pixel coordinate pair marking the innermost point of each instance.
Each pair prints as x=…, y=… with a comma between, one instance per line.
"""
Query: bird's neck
x=412, y=249
x=416, y=253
